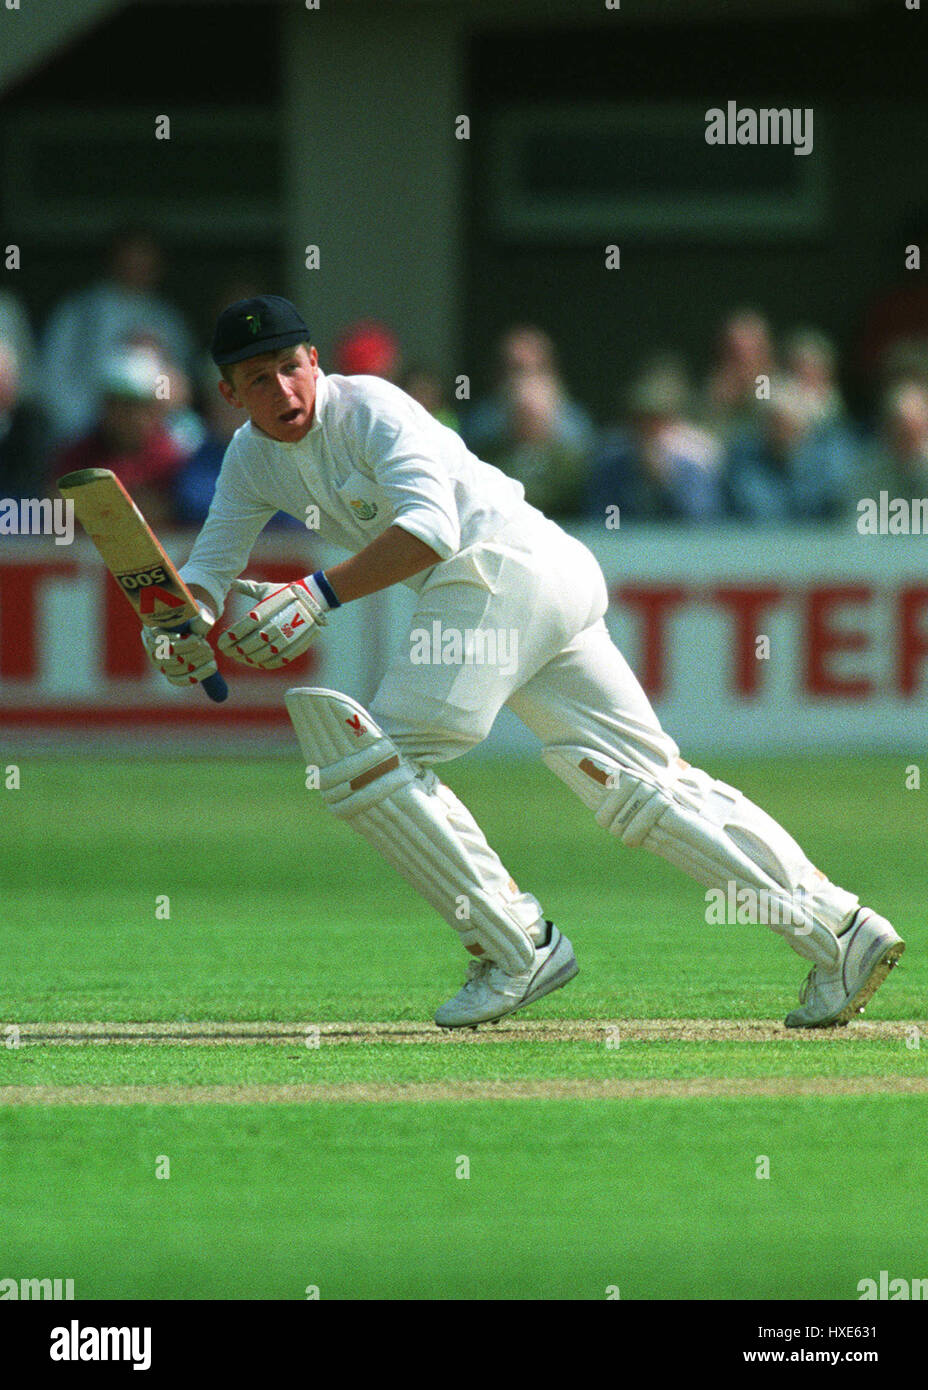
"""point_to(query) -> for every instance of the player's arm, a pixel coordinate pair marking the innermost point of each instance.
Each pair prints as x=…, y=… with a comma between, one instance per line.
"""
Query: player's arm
x=286, y=619
x=395, y=555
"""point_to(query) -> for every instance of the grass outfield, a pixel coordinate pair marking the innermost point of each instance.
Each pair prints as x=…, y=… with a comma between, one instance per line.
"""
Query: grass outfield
x=278, y=912
x=563, y=1200
x=618, y=1125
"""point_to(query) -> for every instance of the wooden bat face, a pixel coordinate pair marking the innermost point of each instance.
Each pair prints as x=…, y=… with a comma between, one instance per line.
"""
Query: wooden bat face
x=130, y=549
x=133, y=555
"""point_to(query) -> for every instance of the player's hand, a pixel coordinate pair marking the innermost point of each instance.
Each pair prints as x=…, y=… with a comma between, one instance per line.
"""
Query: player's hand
x=282, y=624
x=183, y=660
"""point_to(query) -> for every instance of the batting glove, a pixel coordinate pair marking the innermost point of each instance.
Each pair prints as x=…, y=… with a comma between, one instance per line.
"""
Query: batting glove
x=183, y=659
x=283, y=623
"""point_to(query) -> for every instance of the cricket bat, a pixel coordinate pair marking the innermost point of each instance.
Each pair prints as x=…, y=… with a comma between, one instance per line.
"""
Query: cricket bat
x=134, y=556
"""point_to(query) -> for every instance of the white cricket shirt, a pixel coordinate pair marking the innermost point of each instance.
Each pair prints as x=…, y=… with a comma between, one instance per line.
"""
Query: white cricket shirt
x=372, y=458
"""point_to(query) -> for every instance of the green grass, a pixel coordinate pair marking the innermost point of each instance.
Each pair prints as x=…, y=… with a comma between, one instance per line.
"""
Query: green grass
x=563, y=1199
x=277, y=912
x=456, y=1060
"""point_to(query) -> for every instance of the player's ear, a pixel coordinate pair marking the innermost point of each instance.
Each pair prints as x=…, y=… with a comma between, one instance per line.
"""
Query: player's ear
x=228, y=394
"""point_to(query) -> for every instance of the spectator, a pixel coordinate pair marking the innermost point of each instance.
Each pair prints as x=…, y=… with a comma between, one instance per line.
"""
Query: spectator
x=130, y=437
x=896, y=319
x=531, y=429
x=810, y=360
x=16, y=336
x=195, y=483
x=183, y=423
x=745, y=353
x=791, y=466
x=426, y=387
x=552, y=466
x=120, y=311
x=897, y=462
x=367, y=348
x=905, y=362
x=20, y=432
x=523, y=352
x=660, y=466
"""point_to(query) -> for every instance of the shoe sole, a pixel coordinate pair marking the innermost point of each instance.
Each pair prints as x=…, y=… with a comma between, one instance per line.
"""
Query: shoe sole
x=858, y=1002
x=562, y=976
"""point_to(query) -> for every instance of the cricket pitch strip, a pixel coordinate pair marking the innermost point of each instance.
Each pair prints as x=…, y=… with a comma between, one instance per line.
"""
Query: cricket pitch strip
x=417, y=1032
x=614, y=1033
x=706, y=1088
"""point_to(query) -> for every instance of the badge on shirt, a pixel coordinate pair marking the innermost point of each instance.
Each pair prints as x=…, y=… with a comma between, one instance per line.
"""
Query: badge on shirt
x=365, y=511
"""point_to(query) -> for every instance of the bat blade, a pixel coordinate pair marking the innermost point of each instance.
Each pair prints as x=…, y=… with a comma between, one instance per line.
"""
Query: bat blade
x=134, y=556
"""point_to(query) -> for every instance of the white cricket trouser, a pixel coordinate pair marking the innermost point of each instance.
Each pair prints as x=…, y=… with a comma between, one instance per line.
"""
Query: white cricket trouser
x=544, y=596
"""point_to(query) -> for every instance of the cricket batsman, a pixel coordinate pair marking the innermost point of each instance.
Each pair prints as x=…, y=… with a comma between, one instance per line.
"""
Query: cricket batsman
x=403, y=494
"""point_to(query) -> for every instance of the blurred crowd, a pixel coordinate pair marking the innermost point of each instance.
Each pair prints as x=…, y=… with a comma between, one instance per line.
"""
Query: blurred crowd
x=764, y=437
x=116, y=379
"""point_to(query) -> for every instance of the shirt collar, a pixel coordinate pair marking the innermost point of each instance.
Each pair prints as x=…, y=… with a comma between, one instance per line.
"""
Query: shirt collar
x=322, y=397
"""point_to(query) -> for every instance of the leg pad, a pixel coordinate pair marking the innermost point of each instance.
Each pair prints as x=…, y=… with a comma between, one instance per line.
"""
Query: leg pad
x=417, y=824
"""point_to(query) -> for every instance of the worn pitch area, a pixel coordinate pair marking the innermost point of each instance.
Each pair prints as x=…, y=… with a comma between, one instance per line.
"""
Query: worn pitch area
x=206, y=1034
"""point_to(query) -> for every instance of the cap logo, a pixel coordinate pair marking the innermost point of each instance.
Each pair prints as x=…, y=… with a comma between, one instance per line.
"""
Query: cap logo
x=254, y=324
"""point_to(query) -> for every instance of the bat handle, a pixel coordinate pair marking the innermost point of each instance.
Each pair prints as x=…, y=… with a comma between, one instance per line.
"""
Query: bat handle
x=214, y=685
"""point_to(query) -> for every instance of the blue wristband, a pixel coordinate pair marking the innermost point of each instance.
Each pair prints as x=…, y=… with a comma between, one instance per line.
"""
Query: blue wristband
x=328, y=592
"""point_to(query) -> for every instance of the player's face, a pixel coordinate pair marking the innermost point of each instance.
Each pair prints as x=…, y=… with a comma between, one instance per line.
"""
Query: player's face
x=278, y=389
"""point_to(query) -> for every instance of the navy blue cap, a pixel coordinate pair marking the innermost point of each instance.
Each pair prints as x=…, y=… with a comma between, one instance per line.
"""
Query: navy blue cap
x=252, y=326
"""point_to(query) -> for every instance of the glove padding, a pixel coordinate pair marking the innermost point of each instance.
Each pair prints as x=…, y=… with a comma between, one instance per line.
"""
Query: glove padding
x=183, y=660
x=281, y=626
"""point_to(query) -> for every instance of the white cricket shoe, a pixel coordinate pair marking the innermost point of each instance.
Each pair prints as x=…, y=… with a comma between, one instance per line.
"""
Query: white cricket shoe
x=489, y=993
x=869, y=950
